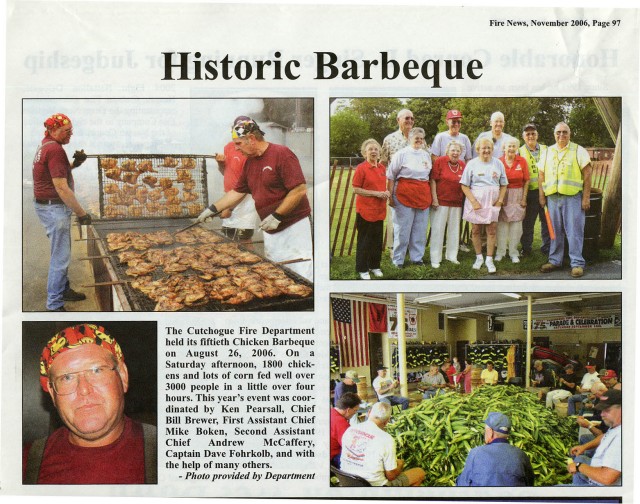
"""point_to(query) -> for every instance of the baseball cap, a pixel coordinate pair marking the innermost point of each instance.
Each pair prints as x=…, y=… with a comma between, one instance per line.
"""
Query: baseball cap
x=380, y=368
x=610, y=398
x=529, y=126
x=499, y=422
x=607, y=374
x=454, y=114
x=588, y=365
x=352, y=375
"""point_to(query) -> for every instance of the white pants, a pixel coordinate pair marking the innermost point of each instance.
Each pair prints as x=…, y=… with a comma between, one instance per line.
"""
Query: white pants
x=508, y=236
x=294, y=242
x=444, y=217
x=555, y=396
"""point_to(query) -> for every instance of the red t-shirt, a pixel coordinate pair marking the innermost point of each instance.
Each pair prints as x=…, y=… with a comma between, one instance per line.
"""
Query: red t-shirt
x=233, y=163
x=372, y=178
x=518, y=174
x=268, y=178
x=121, y=462
x=338, y=424
x=447, y=180
x=50, y=162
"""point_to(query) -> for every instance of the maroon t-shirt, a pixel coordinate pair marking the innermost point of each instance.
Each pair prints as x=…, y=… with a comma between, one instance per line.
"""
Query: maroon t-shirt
x=269, y=178
x=50, y=162
x=121, y=462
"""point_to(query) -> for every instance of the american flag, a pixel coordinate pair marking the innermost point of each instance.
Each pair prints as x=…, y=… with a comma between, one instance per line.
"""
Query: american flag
x=350, y=322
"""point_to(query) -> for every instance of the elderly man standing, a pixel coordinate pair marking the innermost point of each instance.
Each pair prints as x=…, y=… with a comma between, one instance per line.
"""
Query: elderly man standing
x=384, y=389
x=564, y=184
x=496, y=134
x=496, y=463
x=55, y=201
x=605, y=467
x=82, y=369
x=273, y=176
x=370, y=452
x=442, y=139
x=533, y=152
x=399, y=139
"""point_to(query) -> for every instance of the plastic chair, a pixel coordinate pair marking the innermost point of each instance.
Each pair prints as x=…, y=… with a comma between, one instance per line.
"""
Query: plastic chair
x=349, y=480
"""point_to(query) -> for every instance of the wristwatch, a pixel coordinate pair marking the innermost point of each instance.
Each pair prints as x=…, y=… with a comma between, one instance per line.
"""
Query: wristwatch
x=578, y=464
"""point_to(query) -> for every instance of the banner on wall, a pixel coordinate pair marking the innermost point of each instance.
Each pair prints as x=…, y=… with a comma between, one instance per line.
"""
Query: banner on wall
x=410, y=322
x=566, y=323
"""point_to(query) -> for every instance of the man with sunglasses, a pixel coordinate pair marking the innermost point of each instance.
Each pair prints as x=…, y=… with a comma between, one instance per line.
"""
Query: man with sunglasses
x=442, y=139
x=564, y=183
x=55, y=201
x=273, y=176
x=82, y=369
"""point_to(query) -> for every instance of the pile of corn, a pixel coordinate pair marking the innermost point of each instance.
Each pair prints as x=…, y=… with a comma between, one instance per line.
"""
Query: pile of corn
x=438, y=434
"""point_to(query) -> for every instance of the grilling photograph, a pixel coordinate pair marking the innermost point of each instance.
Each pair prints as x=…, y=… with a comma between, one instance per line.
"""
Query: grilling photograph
x=475, y=188
x=476, y=389
x=167, y=204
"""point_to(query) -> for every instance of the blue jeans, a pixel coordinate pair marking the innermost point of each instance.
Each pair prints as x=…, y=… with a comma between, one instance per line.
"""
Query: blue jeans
x=576, y=398
x=534, y=211
x=567, y=217
x=56, y=220
x=393, y=400
x=409, y=232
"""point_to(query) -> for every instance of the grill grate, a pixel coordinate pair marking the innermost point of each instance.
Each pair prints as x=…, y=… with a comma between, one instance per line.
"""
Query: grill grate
x=143, y=186
x=139, y=301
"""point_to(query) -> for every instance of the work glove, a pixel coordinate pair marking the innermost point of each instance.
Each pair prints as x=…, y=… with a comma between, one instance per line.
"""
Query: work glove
x=85, y=220
x=207, y=213
x=271, y=222
x=79, y=157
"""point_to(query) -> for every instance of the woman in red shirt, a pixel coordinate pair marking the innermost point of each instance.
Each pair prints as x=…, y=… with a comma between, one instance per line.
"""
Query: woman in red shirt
x=370, y=186
x=446, y=204
x=515, y=205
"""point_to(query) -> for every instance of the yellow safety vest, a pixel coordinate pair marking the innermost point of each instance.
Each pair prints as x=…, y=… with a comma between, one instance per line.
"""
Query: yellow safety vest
x=562, y=173
x=533, y=163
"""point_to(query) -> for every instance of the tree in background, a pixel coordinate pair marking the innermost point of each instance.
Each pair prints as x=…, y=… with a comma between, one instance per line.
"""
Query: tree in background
x=379, y=113
x=430, y=115
x=348, y=131
x=587, y=126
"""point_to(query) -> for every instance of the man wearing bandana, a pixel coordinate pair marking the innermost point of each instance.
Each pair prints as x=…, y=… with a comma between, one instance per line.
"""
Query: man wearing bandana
x=55, y=201
x=82, y=369
x=273, y=176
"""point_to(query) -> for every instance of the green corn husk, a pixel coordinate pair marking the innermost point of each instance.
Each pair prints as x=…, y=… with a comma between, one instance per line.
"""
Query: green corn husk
x=438, y=434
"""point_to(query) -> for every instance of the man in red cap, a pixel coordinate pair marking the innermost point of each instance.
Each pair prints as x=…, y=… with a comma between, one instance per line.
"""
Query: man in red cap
x=442, y=139
x=82, y=369
x=55, y=201
x=610, y=378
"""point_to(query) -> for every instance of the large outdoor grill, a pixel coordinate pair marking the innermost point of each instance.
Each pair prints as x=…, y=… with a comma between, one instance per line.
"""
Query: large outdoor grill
x=125, y=213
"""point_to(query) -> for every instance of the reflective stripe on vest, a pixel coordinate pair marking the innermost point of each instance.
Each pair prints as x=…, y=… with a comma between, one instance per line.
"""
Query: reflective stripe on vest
x=533, y=163
x=562, y=175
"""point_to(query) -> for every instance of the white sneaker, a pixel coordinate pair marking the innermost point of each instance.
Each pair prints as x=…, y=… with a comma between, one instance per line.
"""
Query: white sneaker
x=453, y=261
x=498, y=258
x=435, y=265
x=515, y=259
x=364, y=276
x=490, y=266
x=478, y=264
x=377, y=273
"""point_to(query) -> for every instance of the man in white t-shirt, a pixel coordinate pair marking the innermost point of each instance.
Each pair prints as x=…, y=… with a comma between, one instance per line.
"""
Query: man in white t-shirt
x=588, y=380
x=442, y=139
x=384, y=387
x=369, y=452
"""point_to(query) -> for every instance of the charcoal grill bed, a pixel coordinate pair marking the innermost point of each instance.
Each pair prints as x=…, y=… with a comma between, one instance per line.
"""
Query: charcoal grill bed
x=124, y=297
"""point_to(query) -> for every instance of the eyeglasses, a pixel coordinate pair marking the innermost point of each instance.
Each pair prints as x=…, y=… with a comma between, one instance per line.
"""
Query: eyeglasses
x=409, y=119
x=562, y=132
x=96, y=376
x=456, y=121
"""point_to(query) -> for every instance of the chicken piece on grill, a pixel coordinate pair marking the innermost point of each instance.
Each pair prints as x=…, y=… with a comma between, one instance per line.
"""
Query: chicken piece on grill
x=211, y=273
x=168, y=303
x=170, y=162
x=113, y=212
x=129, y=255
x=166, y=182
x=188, y=163
x=111, y=189
x=174, y=267
x=238, y=270
x=174, y=210
x=188, y=196
x=142, y=194
x=189, y=185
x=299, y=290
x=129, y=189
x=157, y=256
x=170, y=191
x=139, y=267
x=183, y=175
x=174, y=201
x=108, y=163
x=263, y=290
x=152, y=207
x=187, y=237
x=240, y=298
x=221, y=288
x=120, y=241
x=194, y=209
x=121, y=199
x=145, y=166
x=140, y=243
x=160, y=238
x=130, y=177
x=155, y=194
x=248, y=258
x=113, y=173
x=150, y=180
x=206, y=236
x=128, y=165
x=135, y=211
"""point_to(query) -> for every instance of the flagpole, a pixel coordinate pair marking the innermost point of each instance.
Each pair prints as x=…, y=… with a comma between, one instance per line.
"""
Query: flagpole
x=402, y=348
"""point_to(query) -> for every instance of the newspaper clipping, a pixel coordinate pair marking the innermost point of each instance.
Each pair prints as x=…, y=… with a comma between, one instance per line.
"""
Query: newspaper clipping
x=287, y=251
